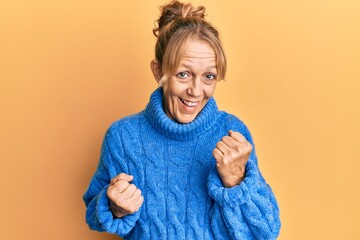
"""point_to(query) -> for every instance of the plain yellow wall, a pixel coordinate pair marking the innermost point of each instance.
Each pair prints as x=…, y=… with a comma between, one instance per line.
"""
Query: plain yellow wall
x=69, y=68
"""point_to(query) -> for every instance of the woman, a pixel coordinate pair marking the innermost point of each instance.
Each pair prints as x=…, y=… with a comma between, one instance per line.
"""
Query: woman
x=182, y=169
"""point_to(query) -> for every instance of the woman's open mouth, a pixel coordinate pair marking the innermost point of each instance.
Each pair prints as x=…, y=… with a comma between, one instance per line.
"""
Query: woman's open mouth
x=188, y=103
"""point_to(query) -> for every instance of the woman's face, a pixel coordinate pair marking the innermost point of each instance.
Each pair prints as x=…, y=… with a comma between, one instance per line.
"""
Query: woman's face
x=187, y=92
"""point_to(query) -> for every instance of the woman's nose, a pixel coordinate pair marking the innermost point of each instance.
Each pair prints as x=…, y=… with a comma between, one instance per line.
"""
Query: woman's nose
x=195, y=87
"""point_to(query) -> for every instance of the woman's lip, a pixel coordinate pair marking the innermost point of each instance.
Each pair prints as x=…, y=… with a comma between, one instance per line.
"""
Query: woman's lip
x=189, y=103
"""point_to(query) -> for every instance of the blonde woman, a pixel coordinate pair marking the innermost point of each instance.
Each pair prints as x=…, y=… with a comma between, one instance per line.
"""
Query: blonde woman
x=182, y=169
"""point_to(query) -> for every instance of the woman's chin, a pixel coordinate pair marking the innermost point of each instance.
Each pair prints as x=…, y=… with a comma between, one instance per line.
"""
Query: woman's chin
x=184, y=119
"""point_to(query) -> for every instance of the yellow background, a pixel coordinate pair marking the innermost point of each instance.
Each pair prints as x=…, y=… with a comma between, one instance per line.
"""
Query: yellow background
x=69, y=68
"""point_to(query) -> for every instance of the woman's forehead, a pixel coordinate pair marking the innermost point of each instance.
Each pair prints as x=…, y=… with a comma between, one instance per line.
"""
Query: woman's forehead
x=195, y=52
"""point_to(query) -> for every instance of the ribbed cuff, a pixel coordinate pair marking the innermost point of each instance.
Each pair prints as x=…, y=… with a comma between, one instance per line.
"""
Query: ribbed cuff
x=236, y=195
x=119, y=226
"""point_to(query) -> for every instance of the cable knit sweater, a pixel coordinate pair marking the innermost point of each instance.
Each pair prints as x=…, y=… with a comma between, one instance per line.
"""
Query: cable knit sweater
x=173, y=166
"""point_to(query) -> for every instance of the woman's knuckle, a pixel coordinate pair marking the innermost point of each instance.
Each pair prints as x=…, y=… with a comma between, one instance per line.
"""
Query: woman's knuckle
x=227, y=159
x=110, y=193
x=226, y=138
x=125, y=204
x=134, y=208
x=238, y=148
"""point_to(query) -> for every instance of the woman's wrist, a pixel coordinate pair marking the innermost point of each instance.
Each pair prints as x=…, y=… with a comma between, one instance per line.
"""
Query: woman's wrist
x=232, y=181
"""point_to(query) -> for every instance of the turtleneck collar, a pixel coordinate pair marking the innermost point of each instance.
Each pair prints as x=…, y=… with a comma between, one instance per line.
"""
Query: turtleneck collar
x=158, y=119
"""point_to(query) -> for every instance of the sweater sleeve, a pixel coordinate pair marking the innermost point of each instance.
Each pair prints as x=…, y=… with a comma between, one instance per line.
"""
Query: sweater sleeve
x=98, y=214
x=248, y=210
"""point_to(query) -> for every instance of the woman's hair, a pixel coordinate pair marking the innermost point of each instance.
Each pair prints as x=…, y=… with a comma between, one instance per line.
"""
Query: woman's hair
x=178, y=24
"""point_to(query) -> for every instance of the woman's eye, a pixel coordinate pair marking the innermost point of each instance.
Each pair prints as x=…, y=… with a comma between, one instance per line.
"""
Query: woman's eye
x=182, y=75
x=211, y=76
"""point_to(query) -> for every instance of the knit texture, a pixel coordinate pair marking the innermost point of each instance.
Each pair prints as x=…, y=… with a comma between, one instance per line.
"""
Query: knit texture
x=173, y=166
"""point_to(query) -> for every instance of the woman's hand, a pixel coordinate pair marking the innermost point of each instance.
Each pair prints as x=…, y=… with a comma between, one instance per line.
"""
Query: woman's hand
x=125, y=198
x=232, y=154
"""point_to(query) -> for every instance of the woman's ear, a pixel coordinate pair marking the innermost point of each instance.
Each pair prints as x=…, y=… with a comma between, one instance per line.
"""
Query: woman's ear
x=156, y=70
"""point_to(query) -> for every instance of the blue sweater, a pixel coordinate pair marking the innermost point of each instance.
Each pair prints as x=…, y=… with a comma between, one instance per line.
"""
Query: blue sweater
x=173, y=166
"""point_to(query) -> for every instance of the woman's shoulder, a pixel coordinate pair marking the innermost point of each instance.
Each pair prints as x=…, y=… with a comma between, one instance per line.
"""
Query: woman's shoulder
x=130, y=121
x=231, y=119
x=235, y=123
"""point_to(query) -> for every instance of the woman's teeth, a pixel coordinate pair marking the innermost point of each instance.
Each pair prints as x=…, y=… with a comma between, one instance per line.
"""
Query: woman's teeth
x=188, y=103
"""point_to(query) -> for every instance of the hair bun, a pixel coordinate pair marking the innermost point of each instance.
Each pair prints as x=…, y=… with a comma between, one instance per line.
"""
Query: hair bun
x=174, y=10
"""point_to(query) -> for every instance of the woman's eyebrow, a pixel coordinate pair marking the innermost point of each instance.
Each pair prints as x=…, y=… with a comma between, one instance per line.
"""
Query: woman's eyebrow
x=186, y=65
x=212, y=67
x=191, y=67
